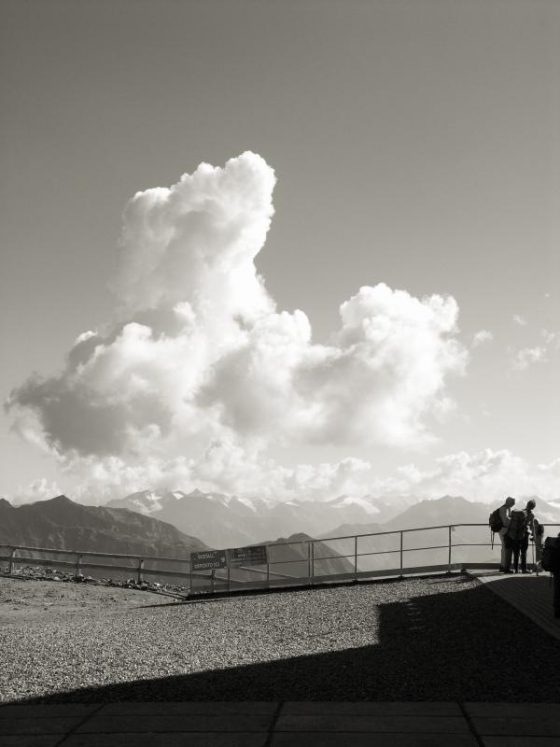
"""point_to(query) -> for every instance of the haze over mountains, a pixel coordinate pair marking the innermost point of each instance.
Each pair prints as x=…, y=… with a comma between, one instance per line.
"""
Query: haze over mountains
x=225, y=521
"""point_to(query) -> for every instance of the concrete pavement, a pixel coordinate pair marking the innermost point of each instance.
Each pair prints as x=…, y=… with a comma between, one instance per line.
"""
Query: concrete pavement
x=264, y=724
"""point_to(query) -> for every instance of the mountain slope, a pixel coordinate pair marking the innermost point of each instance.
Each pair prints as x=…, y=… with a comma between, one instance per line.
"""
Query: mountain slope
x=62, y=524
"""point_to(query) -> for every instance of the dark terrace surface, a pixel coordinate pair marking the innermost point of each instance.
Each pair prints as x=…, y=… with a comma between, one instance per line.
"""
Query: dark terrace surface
x=291, y=724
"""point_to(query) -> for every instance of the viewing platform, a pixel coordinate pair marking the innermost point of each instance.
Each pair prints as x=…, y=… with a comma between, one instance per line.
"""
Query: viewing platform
x=179, y=710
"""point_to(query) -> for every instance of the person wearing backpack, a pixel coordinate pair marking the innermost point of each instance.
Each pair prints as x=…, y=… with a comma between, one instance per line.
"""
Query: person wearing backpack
x=503, y=519
x=517, y=538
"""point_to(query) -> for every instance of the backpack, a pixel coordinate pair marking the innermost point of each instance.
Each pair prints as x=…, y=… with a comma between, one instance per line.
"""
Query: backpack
x=551, y=555
x=495, y=521
x=517, y=525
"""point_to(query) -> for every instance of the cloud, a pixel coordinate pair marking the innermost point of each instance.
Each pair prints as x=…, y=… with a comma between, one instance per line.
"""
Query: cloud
x=198, y=354
x=197, y=240
x=482, y=337
x=548, y=345
x=383, y=373
x=520, y=320
x=37, y=490
x=550, y=338
x=526, y=357
x=484, y=476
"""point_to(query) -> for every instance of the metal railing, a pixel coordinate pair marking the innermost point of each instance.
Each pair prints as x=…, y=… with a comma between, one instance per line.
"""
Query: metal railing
x=296, y=562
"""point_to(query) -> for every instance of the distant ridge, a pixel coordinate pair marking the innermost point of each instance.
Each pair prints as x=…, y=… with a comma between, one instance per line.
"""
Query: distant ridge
x=63, y=524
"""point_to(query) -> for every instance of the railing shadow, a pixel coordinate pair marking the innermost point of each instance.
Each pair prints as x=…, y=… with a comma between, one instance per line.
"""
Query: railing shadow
x=468, y=645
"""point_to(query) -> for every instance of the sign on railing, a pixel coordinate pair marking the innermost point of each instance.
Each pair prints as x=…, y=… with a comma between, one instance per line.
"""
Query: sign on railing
x=254, y=555
x=211, y=560
x=208, y=560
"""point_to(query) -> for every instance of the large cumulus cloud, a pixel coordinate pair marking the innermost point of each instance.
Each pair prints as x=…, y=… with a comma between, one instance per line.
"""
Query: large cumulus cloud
x=197, y=352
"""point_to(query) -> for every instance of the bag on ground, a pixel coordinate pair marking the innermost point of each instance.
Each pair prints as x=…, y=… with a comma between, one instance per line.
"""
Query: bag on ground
x=551, y=555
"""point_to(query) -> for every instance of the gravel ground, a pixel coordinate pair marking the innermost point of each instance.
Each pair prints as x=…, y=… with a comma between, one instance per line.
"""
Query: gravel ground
x=430, y=639
x=22, y=601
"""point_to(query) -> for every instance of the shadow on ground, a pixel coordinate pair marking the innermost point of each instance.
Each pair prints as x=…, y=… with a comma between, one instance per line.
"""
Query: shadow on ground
x=469, y=645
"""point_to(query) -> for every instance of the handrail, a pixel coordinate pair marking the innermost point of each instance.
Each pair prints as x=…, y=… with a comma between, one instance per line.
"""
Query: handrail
x=268, y=544
x=310, y=559
x=94, y=553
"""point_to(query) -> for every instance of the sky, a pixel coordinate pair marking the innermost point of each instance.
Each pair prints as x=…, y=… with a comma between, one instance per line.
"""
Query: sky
x=287, y=250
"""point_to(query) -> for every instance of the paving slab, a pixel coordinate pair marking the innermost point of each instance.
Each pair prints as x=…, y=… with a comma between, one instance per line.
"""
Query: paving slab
x=365, y=708
x=372, y=724
x=37, y=725
x=514, y=710
x=517, y=727
x=164, y=708
x=177, y=739
x=299, y=724
x=520, y=741
x=29, y=740
x=353, y=739
x=56, y=710
x=101, y=724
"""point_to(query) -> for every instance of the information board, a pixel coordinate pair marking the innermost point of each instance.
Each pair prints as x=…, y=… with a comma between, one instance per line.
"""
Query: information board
x=208, y=560
x=253, y=555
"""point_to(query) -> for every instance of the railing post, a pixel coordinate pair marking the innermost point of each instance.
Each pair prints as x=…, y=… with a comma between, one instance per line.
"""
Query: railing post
x=228, y=578
x=356, y=558
x=11, y=564
x=140, y=567
x=309, y=562
x=267, y=570
x=449, y=558
x=534, y=548
x=312, y=562
x=78, y=561
x=212, y=572
x=401, y=552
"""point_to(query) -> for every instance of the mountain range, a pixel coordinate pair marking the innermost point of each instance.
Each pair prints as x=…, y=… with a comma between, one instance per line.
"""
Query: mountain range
x=221, y=521
x=226, y=521
x=61, y=524
x=175, y=524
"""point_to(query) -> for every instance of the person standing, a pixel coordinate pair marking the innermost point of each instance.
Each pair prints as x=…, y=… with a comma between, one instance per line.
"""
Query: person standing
x=517, y=539
x=505, y=514
x=537, y=530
